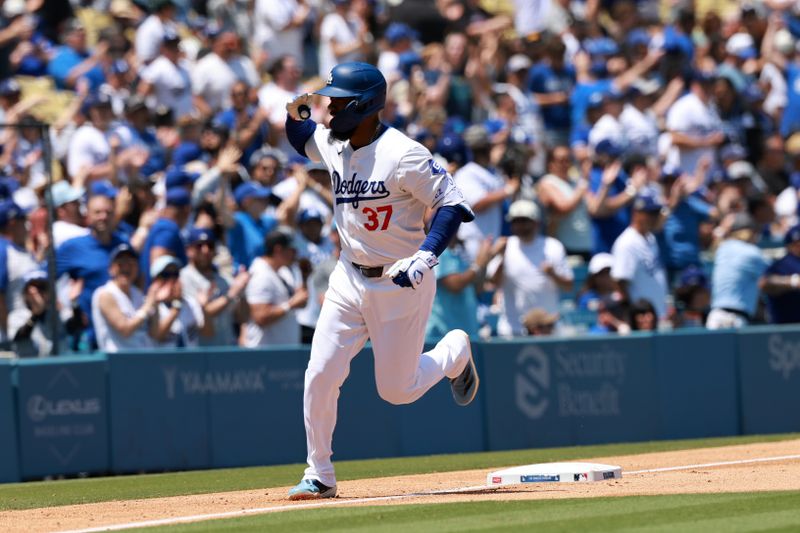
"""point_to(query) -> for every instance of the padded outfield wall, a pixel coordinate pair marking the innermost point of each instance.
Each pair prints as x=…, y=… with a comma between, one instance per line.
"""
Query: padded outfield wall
x=176, y=410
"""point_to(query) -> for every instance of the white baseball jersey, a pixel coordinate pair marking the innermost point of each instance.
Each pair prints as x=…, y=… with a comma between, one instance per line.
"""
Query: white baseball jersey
x=381, y=192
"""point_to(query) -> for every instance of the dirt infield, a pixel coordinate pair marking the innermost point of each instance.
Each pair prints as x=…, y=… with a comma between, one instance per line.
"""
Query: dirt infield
x=748, y=477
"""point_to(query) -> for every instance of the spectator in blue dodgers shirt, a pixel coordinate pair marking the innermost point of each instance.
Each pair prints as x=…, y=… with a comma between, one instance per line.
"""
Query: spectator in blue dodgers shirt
x=738, y=265
x=123, y=317
x=693, y=124
x=781, y=283
x=248, y=124
x=273, y=294
x=250, y=224
x=15, y=262
x=686, y=211
x=73, y=61
x=458, y=280
x=637, y=263
x=484, y=189
x=181, y=322
x=165, y=234
x=528, y=268
x=167, y=80
x=219, y=296
x=551, y=81
x=610, y=194
x=87, y=258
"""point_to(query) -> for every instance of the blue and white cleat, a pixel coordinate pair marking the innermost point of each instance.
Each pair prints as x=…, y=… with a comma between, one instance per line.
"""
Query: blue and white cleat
x=311, y=489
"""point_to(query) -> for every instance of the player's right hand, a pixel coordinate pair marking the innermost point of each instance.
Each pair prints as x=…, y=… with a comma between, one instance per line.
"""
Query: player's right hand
x=293, y=107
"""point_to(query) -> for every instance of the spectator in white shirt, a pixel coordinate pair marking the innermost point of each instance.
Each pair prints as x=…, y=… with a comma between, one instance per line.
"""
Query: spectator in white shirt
x=530, y=270
x=150, y=33
x=167, y=80
x=273, y=97
x=89, y=151
x=342, y=38
x=694, y=126
x=273, y=294
x=214, y=75
x=609, y=126
x=638, y=119
x=484, y=190
x=637, y=266
x=278, y=27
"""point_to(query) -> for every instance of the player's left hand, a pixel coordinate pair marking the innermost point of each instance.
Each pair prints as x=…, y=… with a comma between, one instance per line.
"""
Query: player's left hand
x=410, y=272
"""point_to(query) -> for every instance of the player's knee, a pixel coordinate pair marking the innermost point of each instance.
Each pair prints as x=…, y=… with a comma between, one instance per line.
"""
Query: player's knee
x=395, y=395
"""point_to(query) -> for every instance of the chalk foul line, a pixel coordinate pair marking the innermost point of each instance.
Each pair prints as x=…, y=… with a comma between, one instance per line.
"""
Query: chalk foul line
x=339, y=502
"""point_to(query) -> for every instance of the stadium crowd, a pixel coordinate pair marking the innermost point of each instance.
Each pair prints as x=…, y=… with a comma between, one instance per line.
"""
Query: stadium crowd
x=633, y=165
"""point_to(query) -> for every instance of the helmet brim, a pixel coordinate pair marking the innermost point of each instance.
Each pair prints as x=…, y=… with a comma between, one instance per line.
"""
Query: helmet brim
x=336, y=92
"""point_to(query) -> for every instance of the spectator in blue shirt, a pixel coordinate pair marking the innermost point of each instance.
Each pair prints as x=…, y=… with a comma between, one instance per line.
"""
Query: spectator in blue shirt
x=247, y=122
x=680, y=238
x=137, y=130
x=87, y=258
x=72, y=61
x=781, y=282
x=610, y=194
x=250, y=224
x=551, y=81
x=165, y=235
x=738, y=265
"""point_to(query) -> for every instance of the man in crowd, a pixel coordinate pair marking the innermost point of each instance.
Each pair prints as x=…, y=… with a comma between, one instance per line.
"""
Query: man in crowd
x=273, y=294
x=781, y=282
x=218, y=296
x=15, y=262
x=637, y=264
x=165, y=235
x=530, y=271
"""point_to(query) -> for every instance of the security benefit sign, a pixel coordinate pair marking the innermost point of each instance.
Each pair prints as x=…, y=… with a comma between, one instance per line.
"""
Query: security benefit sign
x=769, y=374
x=62, y=416
x=555, y=393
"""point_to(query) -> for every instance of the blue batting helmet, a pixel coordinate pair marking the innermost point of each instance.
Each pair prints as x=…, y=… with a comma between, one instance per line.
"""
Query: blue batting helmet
x=360, y=81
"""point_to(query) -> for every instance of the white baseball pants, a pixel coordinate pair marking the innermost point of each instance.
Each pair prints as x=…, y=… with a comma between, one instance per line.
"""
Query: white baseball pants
x=394, y=318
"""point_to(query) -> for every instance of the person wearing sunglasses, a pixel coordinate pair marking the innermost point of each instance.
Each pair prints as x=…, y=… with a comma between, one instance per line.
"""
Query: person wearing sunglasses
x=180, y=316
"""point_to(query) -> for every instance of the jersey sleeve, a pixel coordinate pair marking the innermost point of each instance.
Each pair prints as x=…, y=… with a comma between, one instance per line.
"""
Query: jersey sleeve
x=320, y=135
x=427, y=181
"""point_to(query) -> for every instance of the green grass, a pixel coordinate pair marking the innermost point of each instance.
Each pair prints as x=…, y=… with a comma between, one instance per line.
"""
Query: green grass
x=66, y=492
x=770, y=511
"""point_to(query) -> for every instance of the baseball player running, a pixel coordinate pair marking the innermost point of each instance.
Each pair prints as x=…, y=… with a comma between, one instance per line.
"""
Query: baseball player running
x=382, y=287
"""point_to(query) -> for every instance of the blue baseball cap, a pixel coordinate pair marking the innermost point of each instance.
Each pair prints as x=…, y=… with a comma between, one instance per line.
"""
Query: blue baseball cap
x=309, y=213
x=735, y=152
x=197, y=235
x=9, y=86
x=647, y=202
x=9, y=210
x=120, y=249
x=693, y=276
x=451, y=146
x=178, y=176
x=669, y=172
x=185, y=152
x=793, y=235
x=120, y=66
x=250, y=190
x=397, y=31
x=95, y=100
x=601, y=46
x=8, y=186
x=638, y=36
x=103, y=188
x=608, y=147
x=178, y=197
x=595, y=101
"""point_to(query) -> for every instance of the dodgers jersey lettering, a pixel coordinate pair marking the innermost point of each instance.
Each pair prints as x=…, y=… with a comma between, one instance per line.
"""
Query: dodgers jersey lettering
x=381, y=192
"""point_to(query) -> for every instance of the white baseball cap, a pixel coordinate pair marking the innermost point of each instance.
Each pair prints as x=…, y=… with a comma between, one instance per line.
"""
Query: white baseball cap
x=599, y=262
x=524, y=209
x=741, y=45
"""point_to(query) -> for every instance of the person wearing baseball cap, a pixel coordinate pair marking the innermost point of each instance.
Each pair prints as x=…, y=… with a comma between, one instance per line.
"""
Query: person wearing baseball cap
x=530, y=269
x=15, y=262
x=181, y=321
x=692, y=298
x=599, y=285
x=165, y=234
x=250, y=223
x=28, y=331
x=67, y=205
x=638, y=268
x=123, y=317
x=738, y=266
x=781, y=282
x=89, y=151
x=539, y=322
x=201, y=281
